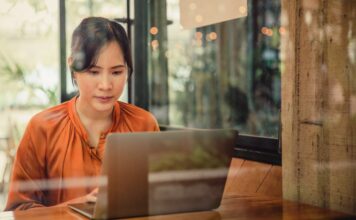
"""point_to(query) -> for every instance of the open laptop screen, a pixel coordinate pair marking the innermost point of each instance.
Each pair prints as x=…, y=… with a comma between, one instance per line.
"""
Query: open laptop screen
x=166, y=172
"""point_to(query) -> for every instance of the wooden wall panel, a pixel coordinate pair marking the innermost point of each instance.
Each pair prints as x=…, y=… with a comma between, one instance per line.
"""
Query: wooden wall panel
x=319, y=103
x=289, y=54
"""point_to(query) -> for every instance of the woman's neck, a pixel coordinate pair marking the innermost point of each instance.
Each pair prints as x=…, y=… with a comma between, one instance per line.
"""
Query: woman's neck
x=94, y=122
x=89, y=115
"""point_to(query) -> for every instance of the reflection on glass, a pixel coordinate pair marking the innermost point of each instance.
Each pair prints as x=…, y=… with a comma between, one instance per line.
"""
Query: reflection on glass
x=152, y=173
x=29, y=72
x=224, y=75
x=166, y=172
x=189, y=175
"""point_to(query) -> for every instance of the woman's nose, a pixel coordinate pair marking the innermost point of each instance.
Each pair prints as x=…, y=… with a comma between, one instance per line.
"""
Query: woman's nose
x=105, y=82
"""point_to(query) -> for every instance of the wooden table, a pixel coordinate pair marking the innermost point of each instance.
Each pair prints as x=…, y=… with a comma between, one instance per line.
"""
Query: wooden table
x=233, y=207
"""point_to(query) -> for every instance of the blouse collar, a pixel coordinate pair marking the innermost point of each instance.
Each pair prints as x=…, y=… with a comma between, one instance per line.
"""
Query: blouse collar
x=74, y=117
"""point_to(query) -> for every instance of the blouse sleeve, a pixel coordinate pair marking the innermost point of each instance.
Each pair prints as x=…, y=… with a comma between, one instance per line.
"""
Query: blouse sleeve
x=28, y=175
x=156, y=126
x=153, y=124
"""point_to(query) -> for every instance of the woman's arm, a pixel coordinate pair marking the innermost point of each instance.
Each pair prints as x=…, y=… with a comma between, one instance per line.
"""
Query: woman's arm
x=26, y=190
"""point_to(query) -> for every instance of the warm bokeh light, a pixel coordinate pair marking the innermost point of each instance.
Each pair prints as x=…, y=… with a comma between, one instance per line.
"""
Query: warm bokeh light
x=264, y=30
x=213, y=36
x=154, y=30
x=154, y=44
x=242, y=9
x=282, y=30
x=267, y=31
x=222, y=8
x=199, y=18
x=192, y=6
x=198, y=35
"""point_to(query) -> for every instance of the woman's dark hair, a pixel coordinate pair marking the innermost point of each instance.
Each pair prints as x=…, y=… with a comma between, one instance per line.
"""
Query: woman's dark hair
x=90, y=36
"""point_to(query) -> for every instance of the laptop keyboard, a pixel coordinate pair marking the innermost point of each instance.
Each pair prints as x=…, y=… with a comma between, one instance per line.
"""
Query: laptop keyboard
x=83, y=207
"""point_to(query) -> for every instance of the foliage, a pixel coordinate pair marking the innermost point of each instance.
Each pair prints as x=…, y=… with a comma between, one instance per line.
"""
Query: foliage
x=17, y=81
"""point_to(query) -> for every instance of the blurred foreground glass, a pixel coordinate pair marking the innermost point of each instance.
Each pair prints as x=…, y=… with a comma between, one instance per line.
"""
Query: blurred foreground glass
x=29, y=70
x=150, y=173
x=199, y=13
x=224, y=75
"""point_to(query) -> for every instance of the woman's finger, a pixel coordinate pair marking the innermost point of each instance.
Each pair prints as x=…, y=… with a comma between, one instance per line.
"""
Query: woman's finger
x=94, y=192
x=90, y=198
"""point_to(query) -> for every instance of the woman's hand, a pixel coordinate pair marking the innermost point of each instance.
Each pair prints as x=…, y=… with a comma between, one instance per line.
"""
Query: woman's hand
x=89, y=198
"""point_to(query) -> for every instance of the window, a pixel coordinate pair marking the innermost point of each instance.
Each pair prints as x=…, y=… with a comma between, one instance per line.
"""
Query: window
x=225, y=75
x=28, y=54
x=219, y=76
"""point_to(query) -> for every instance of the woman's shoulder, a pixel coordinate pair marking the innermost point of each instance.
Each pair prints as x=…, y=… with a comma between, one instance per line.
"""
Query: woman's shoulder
x=134, y=111
x=50, y=116
x=138, y=115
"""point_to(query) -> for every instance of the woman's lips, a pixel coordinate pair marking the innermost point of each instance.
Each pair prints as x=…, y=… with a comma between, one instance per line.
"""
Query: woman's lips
x=104, y=99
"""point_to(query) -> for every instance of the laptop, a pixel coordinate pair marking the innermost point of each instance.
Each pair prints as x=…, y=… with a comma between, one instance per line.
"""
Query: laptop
x=155, y=173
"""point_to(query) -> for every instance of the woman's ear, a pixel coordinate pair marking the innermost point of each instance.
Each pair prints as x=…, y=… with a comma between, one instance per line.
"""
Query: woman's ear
x=128, y=75
x=70, y=61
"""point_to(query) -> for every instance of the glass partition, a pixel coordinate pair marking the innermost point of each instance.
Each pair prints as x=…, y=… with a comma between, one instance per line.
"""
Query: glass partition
x=225, y=75
x=29, y=72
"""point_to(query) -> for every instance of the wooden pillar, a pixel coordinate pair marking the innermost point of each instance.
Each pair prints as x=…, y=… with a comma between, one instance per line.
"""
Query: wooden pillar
x=319, y=102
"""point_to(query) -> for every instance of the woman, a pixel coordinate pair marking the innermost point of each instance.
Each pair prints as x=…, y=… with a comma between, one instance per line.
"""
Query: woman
x=66, y=142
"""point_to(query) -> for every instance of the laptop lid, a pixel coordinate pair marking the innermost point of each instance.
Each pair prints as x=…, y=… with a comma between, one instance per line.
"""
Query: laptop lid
x=155, y=173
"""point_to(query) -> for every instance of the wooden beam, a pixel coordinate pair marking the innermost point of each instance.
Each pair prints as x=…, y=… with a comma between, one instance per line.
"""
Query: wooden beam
x=318, y=92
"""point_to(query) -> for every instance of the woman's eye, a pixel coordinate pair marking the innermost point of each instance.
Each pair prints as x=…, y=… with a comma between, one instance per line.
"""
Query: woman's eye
x=117, y=72
x=93, y=72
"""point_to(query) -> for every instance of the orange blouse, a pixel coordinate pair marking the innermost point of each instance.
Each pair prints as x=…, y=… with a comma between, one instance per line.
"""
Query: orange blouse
x=55, y=147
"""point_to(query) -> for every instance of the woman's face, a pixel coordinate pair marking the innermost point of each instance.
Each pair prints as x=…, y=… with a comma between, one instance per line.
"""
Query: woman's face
x=102, y=85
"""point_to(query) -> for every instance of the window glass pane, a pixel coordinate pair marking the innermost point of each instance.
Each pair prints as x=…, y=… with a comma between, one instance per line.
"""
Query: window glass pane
x=76, y=10
x=224, y=75
x=29, y=53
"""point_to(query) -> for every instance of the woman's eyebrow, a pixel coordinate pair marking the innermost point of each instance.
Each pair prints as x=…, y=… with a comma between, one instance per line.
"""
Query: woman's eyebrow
x=94, y=66
x=114, y=67
x=118, y=66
